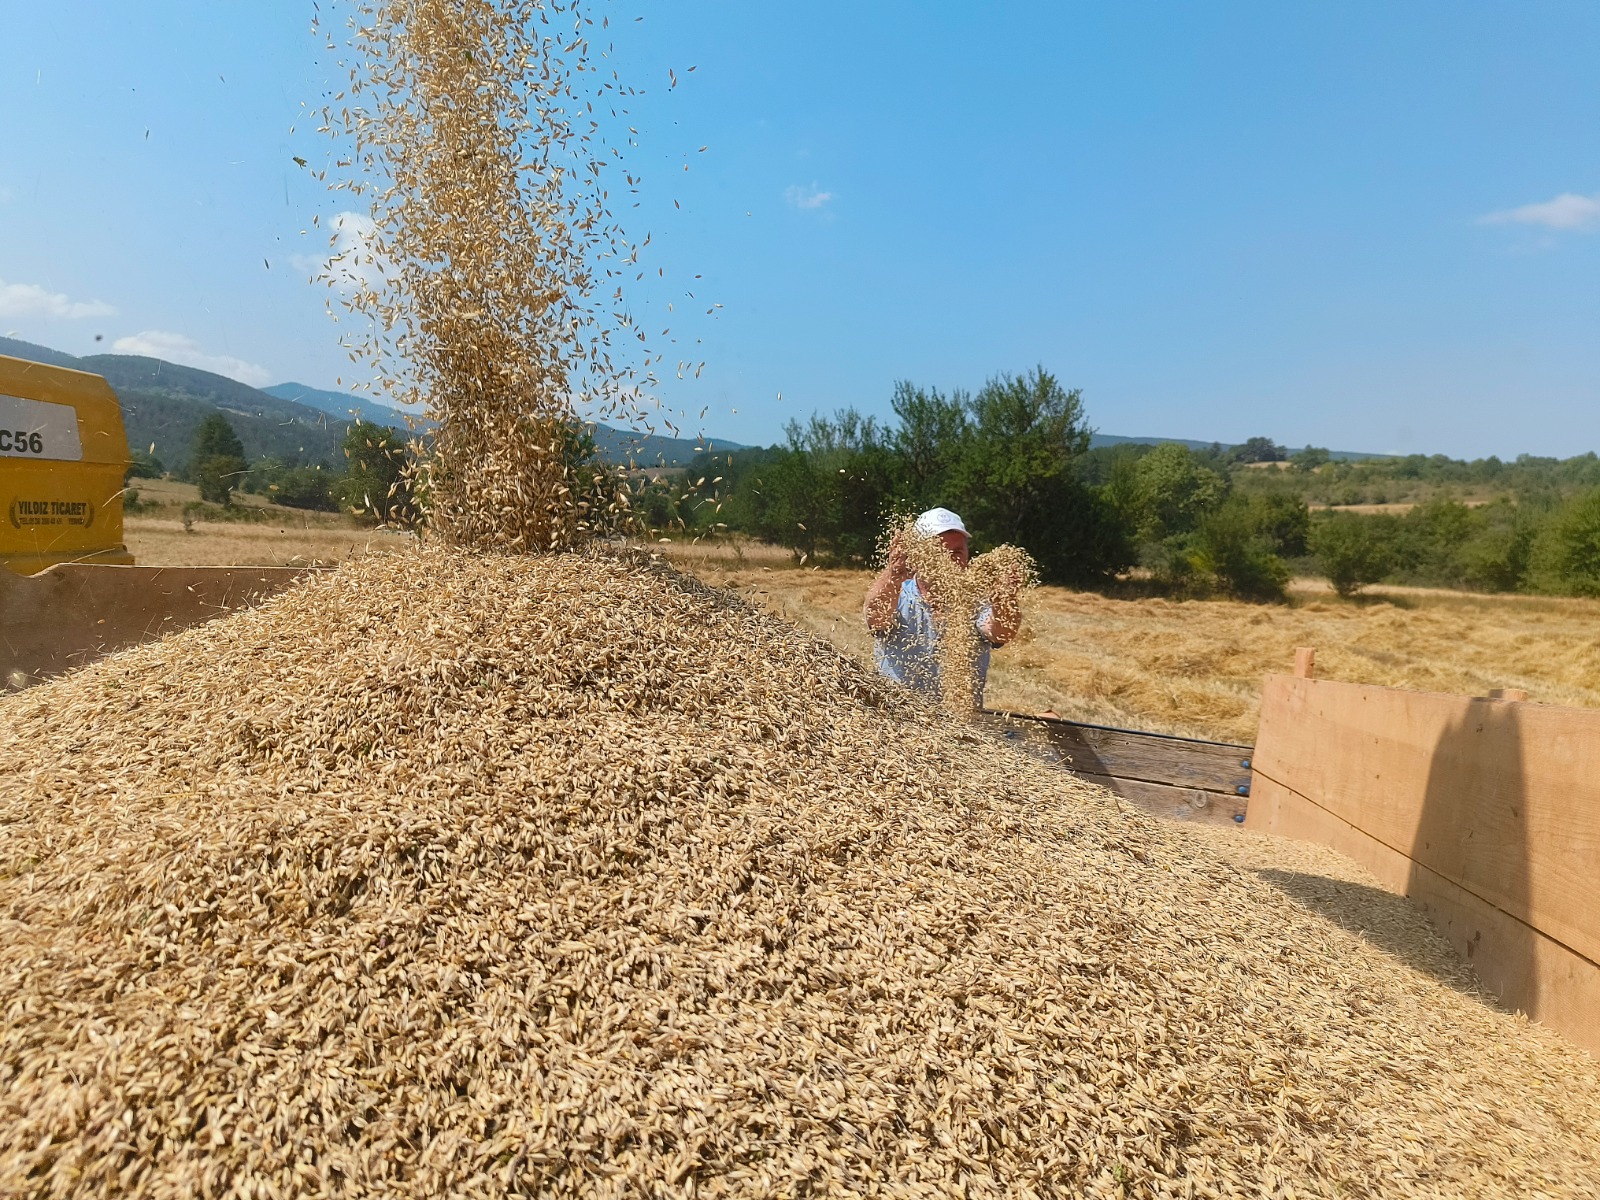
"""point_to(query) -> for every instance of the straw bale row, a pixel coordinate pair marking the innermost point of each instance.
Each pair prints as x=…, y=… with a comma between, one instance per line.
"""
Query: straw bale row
x=569, y=876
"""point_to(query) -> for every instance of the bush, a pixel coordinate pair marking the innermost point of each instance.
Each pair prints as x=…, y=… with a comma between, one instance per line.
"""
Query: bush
x=1567, y=553
x=1237, y=545
x=1353, y=550
x=304, y=487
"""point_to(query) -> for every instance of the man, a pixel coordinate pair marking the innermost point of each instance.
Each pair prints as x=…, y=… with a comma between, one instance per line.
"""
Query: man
x=902, y=611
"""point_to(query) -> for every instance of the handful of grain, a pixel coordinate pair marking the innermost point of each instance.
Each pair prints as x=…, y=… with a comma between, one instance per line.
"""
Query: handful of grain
x=568, y=876
x=956, y=594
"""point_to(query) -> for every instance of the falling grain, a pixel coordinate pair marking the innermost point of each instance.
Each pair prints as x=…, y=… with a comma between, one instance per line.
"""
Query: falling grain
x=486, y=283
x=957, y=595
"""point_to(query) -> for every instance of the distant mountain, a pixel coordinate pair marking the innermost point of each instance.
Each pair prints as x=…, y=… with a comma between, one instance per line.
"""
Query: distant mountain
x=617, y=445
x=18, y=349
x=653, y=449
x=339, y=404
x=163, y=404
x=1115, y=439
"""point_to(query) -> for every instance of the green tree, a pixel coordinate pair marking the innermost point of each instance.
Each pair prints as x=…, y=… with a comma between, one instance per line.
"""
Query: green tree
x=1166, y=492
x=1309, y=459
x=788, y=503
x=1236, y=546
x=217, y=463
x=929, y=440
x=828, y=492
x=1499, y=557
x=1433, y=538
x=1016, y=479
x=1567, y=553
x=1353, y=550
x=1258, y=449
x=1026, y=431
x=375, y=482
x=142, y=464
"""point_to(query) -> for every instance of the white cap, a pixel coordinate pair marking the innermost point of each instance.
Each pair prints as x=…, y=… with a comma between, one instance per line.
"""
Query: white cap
x=938, y=520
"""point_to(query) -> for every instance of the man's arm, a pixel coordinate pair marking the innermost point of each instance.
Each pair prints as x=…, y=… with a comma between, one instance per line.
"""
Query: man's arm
x=882, y=607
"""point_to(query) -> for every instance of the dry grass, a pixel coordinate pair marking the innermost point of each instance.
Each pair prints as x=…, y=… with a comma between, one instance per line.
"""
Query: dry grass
x=569, y=877
x=1195, y=667
x=278, y=537
x=290, y=540
x=173, y=493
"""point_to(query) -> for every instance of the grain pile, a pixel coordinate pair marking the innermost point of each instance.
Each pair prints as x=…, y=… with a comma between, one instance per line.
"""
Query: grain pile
x=569, y=876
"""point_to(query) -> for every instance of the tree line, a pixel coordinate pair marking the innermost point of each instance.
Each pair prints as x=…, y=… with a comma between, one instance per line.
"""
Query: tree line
x=371, y=481
x=1014, y=459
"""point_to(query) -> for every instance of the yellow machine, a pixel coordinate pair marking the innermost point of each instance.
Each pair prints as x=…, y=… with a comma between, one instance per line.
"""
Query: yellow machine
x=63, y=455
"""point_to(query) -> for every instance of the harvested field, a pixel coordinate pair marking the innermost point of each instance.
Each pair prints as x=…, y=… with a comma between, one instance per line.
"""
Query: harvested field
x=278, y=536
x=285, y=542
x=569, y=876
x=1195, y=667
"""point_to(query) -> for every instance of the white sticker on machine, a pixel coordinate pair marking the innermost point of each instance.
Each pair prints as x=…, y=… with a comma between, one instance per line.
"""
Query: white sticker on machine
x=38, y=429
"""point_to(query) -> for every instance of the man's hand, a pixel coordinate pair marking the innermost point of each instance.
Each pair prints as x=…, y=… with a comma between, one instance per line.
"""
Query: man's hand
x=881, y=610
x=899, y=563
x=1005, y=611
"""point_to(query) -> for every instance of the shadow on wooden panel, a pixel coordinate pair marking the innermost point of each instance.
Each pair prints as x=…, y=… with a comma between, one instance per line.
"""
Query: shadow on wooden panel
x=1472, y=829
x=1389, y=922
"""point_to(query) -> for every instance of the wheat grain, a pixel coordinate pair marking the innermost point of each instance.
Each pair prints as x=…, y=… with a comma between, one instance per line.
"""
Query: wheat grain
x=493, y=875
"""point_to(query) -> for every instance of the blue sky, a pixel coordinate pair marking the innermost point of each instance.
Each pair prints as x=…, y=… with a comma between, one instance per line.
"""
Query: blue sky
x=1366, y=225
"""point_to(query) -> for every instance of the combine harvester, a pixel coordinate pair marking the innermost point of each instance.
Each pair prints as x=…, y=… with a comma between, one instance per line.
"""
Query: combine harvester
x=69, y=589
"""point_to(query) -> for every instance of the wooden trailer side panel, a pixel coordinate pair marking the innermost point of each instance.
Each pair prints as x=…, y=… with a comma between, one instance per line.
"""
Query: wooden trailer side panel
x=1486, y=812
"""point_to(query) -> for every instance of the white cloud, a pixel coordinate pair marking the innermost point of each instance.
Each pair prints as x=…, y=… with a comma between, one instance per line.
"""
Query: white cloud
x=174, y=347
x=811, y=197
x=1568, y=211
x=31, y=300
x=350, y=263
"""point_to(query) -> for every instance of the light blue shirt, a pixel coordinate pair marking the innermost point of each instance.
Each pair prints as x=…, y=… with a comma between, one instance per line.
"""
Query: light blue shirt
x=909, y=653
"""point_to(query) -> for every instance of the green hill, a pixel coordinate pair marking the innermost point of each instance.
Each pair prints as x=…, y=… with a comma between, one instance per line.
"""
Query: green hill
x=339, y=404
x=163, y=404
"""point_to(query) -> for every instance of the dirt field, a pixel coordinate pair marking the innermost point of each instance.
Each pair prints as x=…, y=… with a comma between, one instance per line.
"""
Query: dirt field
x=1195, y=667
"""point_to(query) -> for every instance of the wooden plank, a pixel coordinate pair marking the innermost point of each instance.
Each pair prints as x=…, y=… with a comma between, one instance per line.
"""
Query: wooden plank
x=1527, y=969
x=1174, y=803
x=1305, y=662
x=1501, y=799
x=1128, y=754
